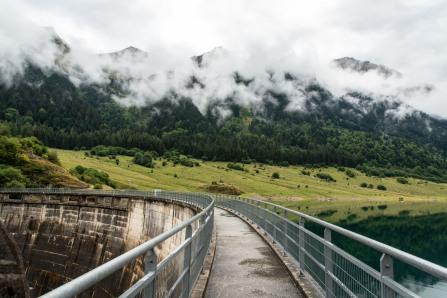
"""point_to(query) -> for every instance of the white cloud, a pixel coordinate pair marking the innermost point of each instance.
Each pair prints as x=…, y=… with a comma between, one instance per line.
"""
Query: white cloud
x=283, y=35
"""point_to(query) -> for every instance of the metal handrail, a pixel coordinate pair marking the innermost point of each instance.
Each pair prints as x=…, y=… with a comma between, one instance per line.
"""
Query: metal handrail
x=85, y=281
x=294, y=237
x=92, y=277
x=424, y=265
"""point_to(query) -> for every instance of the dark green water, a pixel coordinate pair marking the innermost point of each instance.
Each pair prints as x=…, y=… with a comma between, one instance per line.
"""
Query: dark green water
x=422, y=236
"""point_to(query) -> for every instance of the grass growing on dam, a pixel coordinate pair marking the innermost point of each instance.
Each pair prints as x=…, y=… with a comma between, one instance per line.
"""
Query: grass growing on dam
x=299, y=188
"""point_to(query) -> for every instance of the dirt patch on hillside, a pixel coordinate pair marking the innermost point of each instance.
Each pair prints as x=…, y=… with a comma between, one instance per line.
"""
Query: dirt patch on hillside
x=222, y=188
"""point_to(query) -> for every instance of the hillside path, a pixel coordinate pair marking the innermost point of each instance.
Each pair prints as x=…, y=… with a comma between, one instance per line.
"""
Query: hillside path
x=244, y=266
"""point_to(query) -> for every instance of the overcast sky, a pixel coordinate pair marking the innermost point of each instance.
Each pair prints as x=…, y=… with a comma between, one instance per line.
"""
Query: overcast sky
x=409, y=35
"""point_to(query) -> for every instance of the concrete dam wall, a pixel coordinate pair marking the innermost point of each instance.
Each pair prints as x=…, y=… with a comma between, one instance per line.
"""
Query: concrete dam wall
x=58, y=238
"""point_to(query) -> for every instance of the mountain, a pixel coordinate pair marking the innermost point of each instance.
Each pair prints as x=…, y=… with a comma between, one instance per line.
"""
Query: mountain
x=130, y=54
x=210, y=110
x=352, y=64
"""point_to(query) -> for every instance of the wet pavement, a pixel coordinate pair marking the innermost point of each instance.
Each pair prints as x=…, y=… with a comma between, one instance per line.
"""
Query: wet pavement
x=244, y=266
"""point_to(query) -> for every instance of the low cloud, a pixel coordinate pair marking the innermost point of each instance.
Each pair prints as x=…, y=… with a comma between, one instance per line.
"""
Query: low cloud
x=261, y=54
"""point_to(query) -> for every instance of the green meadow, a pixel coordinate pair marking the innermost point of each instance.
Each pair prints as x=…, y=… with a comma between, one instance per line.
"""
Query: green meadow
x=342, y=200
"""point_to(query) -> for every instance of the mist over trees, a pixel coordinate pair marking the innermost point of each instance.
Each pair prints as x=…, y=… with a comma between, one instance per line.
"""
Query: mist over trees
x=328, y=131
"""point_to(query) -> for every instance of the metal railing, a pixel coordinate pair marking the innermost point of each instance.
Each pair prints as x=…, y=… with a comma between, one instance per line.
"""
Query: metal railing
x=176, y=274
x=332, y=271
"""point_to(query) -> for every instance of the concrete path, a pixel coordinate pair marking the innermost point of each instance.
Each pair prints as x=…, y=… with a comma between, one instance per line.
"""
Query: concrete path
x=244, y=266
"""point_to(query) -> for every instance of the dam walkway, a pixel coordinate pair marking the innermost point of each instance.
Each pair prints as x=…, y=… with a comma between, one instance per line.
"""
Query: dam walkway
x=244, y=265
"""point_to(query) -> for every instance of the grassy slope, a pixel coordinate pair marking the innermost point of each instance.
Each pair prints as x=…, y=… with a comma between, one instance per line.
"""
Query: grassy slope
x=345, y=195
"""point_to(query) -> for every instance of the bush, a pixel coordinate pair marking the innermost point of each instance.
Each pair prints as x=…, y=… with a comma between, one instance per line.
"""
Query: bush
x=363, y=184
x=381, y=187
x=402, y=180
x=382, y=207
x=350, y=173
x=341, y=169
x=275, y=175
x=305, y=172
x=15, y=184
x=186, y=162
x=97, y=186
x=370, y=186
x=164, y=163
x=52, y=157
x=144, y=160
x=235, y=166
x=327, y=177
x=284, y=164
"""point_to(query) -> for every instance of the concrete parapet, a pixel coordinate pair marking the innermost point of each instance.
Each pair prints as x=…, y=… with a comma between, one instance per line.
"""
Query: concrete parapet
x=62, y=237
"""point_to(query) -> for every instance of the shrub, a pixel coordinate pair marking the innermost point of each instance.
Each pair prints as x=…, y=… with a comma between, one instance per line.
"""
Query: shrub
x=284, y=164
x=97, y=186
x=52, y=157
x=186, y=162
x=350, y=173
x=352, y=216
x=327, y=177
x=363, y=184
x=341, y=169
x=275, y=175
x=370, y=186
x=117, y=161
x=164, y=163
x=402, y=180
x=404, y=212
x=381, y=187
x=382, y=207
x=15, y=184
x=235, y=166
x=144, y=160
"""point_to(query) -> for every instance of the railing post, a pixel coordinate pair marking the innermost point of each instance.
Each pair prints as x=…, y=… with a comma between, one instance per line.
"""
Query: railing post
x=301, y=244
x=187, y=262
x=386, y=271
x=286, y=240
x=274, y=225
x=257, y=214
x=150, y=267
x=252, y=207
x=328, y=265
x=264, y=219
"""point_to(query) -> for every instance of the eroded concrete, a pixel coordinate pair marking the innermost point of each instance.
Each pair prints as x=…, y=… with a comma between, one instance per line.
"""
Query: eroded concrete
x=244, y=266
x=59, y=242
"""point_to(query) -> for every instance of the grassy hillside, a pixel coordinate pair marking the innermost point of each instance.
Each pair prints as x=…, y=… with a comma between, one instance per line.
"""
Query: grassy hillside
x=293, y=189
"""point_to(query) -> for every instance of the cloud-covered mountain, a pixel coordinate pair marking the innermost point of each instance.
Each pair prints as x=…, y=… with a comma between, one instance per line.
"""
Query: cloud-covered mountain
x=352, y=64
x=338, y=113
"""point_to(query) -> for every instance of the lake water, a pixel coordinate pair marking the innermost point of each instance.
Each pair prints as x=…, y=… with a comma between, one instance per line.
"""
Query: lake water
x=423, y=236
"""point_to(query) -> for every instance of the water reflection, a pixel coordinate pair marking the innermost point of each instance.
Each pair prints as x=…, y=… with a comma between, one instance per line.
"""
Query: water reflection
x=423, y=236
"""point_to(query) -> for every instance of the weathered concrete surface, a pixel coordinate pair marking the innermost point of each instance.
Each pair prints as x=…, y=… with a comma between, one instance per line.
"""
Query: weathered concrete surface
x=12, y=273
x=59, y=242
x=244, y=265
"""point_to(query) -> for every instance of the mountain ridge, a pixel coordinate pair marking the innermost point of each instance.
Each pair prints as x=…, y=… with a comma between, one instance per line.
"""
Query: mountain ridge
x=276, y=117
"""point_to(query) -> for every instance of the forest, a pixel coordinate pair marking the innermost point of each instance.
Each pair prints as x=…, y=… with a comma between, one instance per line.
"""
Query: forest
x=50, y=108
